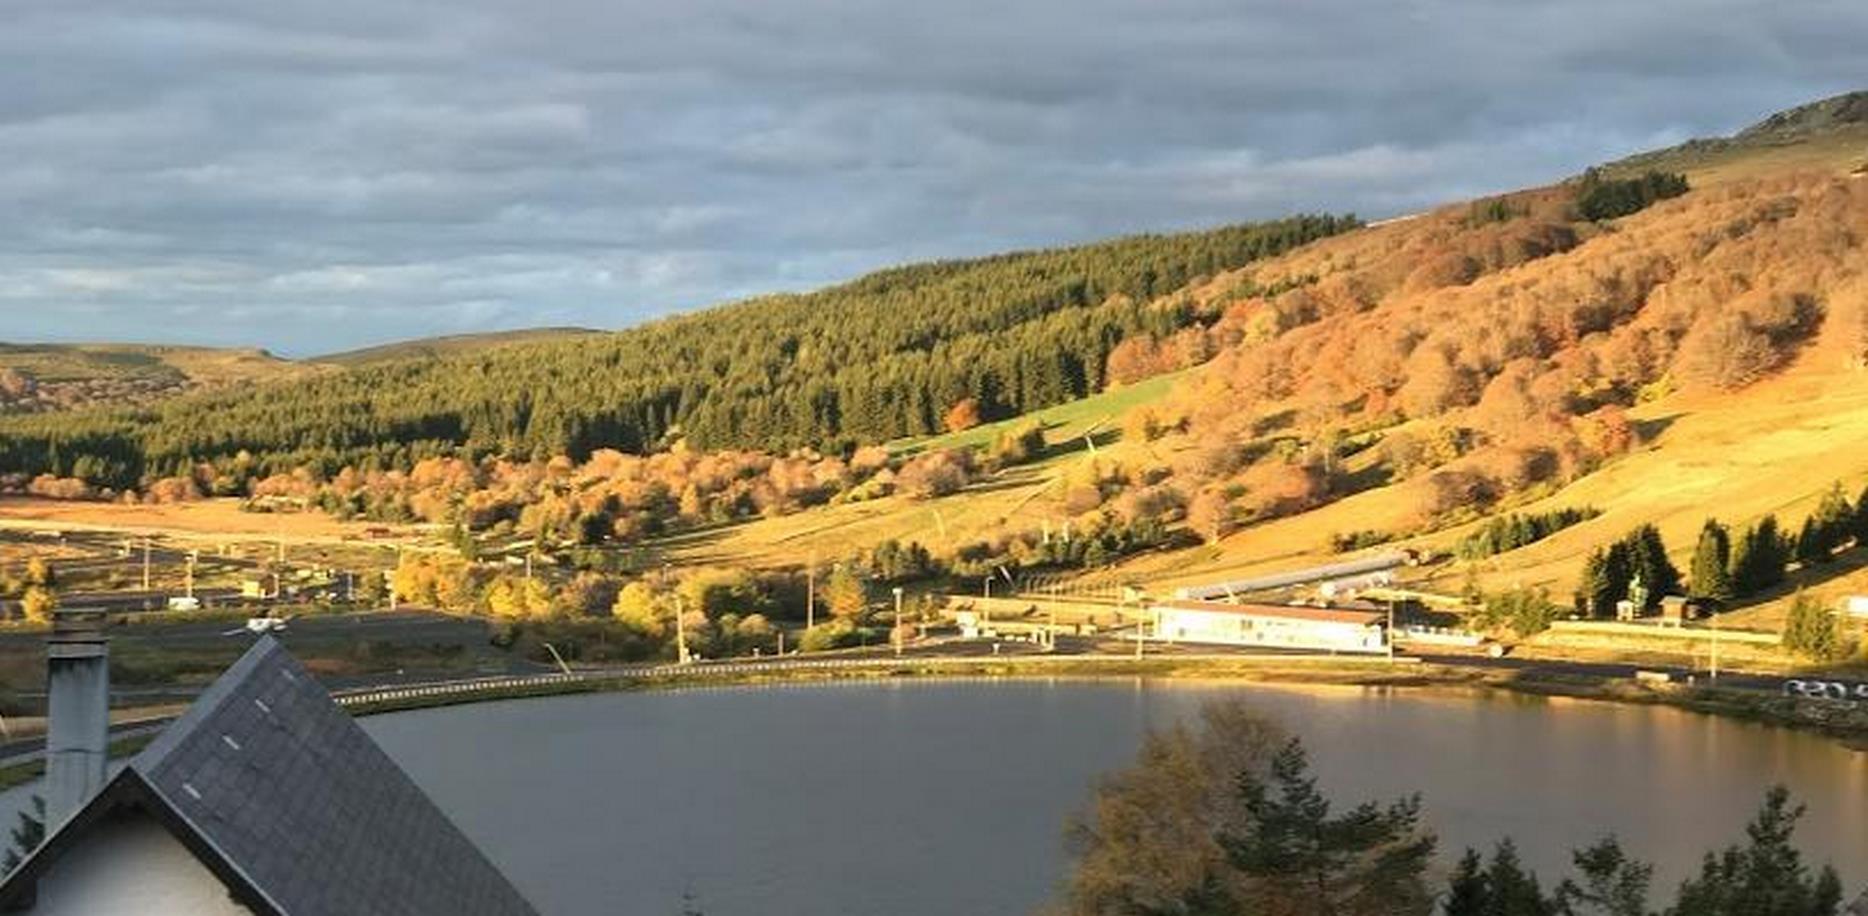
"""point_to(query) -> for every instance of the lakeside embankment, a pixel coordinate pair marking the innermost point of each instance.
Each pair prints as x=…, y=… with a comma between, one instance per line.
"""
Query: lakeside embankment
x=1845, y=722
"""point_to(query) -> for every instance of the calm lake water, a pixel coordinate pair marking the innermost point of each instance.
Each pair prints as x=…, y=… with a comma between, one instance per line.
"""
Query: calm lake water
x=935, y=798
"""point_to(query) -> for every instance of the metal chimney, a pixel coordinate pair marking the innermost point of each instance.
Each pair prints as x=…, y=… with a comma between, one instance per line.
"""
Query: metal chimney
x=77, y=668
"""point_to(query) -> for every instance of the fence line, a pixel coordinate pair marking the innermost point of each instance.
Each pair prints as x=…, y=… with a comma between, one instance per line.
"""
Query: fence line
x=703, y=670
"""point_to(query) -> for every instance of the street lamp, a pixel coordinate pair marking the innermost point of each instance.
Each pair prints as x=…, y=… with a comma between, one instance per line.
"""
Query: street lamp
x=681, y=636
x=898, y=621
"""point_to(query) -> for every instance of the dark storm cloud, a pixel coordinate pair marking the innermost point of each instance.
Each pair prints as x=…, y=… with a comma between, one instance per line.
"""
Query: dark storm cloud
x=313, y=176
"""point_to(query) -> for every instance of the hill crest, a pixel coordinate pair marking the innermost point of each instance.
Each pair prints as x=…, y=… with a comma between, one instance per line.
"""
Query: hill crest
x=1849, y=108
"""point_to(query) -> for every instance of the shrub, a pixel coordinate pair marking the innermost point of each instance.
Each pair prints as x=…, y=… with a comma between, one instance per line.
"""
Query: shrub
x=1598, y=198
x=935, y=474
x=1494, y=210
x=1017, y=446
x=961, y=416
x=1346, y=541
x=1724, y=351
x=839, y=633
x=1811, y=630
x=1525, y=611
x=1510, y=532
x=1211, y=514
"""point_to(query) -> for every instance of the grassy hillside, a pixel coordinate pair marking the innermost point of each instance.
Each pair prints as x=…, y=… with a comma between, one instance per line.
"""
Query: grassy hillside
x=1769, y=440
x=38, y=377
x=450, y=345
x=1829, y=136
x=1016, y=498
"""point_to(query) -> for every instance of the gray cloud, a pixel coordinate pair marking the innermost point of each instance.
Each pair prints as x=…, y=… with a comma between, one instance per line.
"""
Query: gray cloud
x=314, y=176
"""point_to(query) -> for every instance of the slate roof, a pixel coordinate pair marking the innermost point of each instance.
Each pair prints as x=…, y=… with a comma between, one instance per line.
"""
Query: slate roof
x=290, y=803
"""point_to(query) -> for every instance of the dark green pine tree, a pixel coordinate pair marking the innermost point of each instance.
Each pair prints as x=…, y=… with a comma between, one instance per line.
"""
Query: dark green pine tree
x=1764, y=877
x=1812, y=546
x=1514, y=890
x=1711, y=576
x=1835, y=521
x=1297, y=858
x=1596, y=593
x=1648, y=559
x=1758, y=558
x=1468, y=893
x=1858, y=522
x=1611, y=883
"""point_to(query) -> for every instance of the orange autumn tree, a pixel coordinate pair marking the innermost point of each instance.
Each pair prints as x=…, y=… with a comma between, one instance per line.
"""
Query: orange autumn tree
x=964, y=414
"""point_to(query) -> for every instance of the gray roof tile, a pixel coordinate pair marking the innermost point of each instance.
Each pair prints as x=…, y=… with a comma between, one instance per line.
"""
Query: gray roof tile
x=307, y=808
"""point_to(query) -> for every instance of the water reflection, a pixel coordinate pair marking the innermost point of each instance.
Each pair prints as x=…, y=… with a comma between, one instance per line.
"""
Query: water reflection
x=940, y=797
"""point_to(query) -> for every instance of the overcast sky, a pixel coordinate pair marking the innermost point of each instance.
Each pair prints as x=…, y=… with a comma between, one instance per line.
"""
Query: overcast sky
x=311, y=176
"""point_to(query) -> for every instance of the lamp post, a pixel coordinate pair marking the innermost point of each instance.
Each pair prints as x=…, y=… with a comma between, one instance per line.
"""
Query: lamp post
x=681, y=636
x=1141, y=624
x=899, y=635
x=1390, y=632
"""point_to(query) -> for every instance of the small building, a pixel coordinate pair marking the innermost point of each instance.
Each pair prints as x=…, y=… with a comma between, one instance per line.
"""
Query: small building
x=1270, y=625
x=263, y=798
x=1676, y=610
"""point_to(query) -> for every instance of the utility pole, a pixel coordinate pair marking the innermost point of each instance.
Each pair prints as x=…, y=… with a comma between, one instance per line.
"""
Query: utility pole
x=1391, y=632
x=1715, y=646
x=390, y=577
x=193, y=557
x=1050, y=636
x=899, y=635
x=1141, y=633
x=145, y=562
x=810, y=594
x=681, y=635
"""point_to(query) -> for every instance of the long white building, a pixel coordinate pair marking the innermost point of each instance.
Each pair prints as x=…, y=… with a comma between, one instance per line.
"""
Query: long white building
x=1269, y=625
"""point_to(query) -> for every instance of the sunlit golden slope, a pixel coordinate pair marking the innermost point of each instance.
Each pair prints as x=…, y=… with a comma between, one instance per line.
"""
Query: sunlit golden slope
x=1546, y=323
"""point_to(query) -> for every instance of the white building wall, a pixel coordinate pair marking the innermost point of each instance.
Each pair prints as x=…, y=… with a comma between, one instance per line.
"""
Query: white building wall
x=132, y=866
x=1229, y=628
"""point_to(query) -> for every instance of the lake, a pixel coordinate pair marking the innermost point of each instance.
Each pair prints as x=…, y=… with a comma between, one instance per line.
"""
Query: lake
x=949, y=797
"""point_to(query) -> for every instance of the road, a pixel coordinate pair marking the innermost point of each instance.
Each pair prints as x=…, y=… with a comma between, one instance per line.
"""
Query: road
x=1731, y=679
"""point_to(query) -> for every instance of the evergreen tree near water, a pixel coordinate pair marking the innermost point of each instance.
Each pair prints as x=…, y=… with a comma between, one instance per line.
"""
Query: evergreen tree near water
x=1298, y=860
x=1710, y=575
